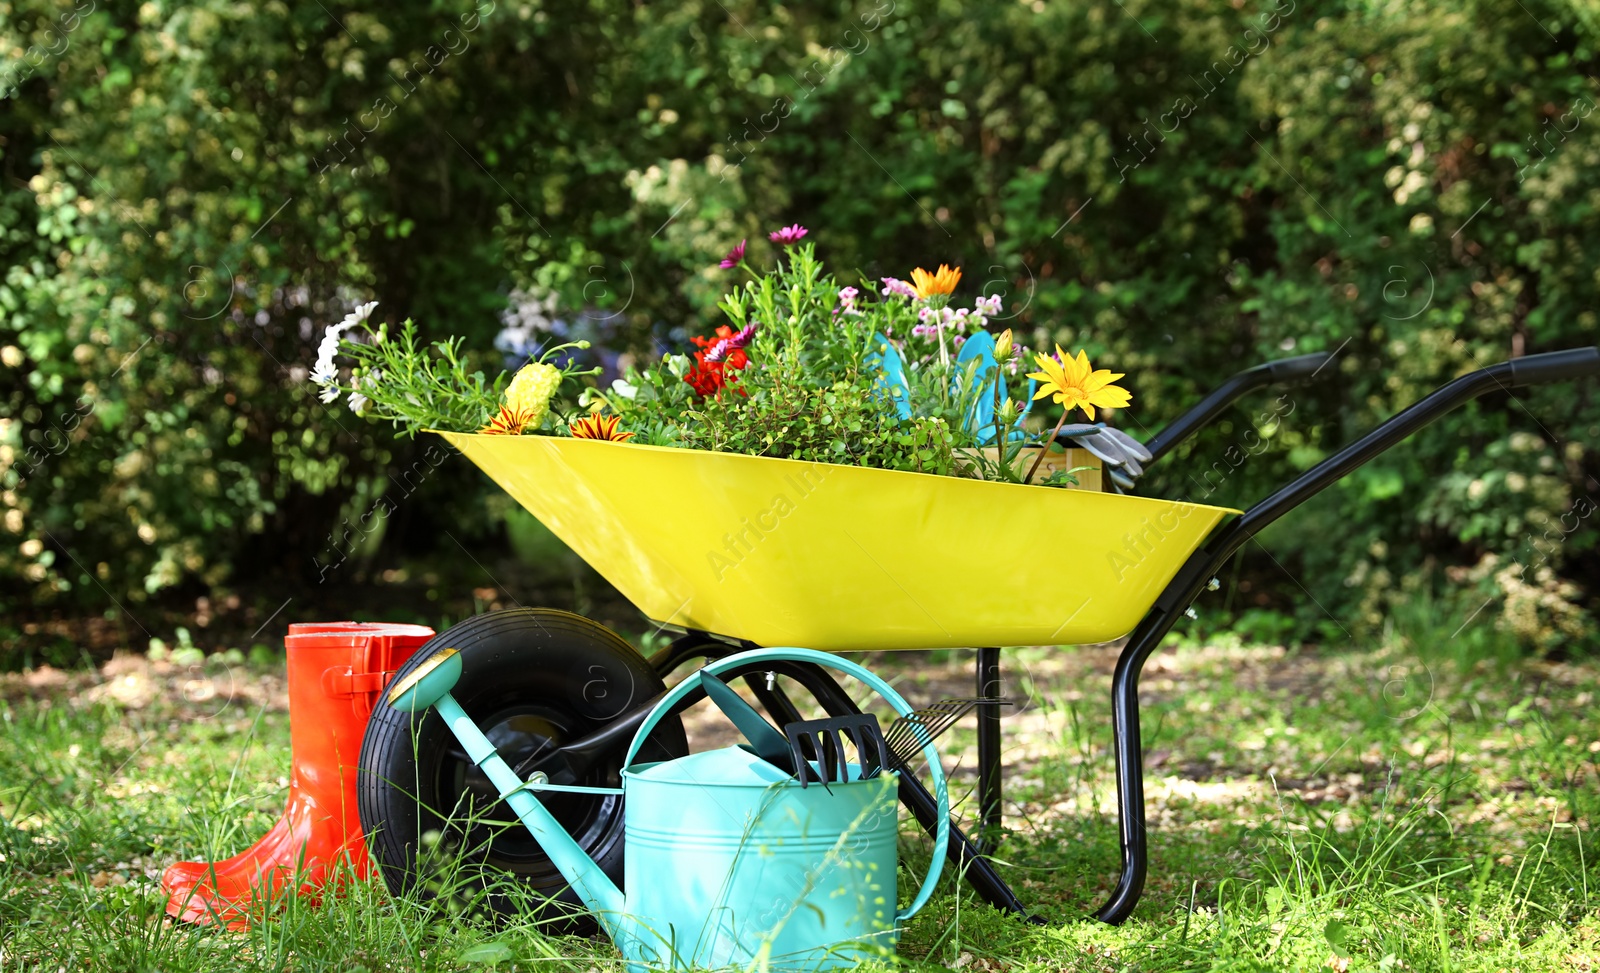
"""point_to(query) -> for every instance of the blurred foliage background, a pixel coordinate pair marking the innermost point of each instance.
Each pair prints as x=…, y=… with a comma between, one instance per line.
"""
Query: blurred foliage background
x=191, y=192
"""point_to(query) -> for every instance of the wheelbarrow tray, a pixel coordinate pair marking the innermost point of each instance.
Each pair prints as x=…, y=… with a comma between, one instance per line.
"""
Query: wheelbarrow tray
x=784, y=552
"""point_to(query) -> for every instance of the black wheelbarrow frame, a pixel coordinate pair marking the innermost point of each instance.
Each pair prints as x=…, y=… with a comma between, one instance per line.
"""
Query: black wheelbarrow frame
x=1197, y=574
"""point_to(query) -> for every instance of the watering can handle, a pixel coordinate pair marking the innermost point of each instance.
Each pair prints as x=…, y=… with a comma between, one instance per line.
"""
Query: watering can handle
x=941, y=838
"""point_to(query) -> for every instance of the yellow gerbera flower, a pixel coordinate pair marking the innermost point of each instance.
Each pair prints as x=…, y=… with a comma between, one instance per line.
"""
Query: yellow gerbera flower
x=926, y=285
x=1075, y=384
x=600, y=427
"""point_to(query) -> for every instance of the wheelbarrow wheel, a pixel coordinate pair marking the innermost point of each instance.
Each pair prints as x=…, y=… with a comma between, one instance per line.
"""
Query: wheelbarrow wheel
x=532, y=679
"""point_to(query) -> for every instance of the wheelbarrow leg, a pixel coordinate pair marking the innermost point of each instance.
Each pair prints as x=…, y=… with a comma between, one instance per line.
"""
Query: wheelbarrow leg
x=989, y=770
x=1191, y=579
x=1129, y=754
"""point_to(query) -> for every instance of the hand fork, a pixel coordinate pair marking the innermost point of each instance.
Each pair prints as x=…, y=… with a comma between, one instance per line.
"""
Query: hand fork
x=822, y=741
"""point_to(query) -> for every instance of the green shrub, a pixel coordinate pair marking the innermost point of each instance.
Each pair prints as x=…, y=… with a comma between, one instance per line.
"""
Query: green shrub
x=193, y=191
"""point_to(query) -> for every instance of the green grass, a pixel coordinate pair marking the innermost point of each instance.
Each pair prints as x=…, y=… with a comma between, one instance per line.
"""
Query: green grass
x=1356, y=811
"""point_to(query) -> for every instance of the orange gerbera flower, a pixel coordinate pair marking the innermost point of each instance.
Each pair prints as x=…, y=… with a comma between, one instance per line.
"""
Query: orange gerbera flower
x=508, y=423
x=927, y=285
x=600, y=427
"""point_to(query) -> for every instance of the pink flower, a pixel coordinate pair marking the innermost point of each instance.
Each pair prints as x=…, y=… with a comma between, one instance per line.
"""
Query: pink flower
x=847, y=301
x=1020, y=354
x=735, y=256
x=788, y=236
x=900, y=287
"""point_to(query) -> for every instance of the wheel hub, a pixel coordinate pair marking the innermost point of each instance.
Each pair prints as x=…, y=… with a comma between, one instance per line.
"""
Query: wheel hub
x=518, y=734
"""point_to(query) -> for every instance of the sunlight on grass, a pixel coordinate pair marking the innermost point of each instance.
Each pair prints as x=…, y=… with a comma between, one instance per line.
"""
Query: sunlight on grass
x=1352, y=811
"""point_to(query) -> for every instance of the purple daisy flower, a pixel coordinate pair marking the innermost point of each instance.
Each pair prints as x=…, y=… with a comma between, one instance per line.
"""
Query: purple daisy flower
x=726, y=346
x=735, y=256
x=788, y=236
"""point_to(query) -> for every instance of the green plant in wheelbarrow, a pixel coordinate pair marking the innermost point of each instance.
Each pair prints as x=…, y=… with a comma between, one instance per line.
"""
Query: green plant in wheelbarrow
x=890, y=375
x=418, y=386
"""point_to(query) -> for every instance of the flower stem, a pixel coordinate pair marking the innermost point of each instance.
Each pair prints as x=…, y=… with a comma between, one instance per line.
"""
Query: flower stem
x=1045, y=448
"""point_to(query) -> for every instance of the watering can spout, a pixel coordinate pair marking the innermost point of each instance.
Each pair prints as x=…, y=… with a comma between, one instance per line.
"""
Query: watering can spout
x=594, y=887
x=429, y=685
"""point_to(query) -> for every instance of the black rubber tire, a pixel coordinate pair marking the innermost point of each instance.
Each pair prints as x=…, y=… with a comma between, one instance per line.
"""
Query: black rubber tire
x=529, y=676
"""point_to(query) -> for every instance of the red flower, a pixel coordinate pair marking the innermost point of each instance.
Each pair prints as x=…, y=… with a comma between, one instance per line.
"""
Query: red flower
x=710, y=375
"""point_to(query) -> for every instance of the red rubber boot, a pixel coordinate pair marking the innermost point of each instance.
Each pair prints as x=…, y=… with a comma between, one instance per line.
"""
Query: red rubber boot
x=336, y=671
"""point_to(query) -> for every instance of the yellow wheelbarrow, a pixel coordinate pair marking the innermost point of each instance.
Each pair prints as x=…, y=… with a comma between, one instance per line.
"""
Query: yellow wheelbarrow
x=734, y=552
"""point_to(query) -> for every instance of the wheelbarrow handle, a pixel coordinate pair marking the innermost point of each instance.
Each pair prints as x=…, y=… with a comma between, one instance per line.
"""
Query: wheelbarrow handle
x=1267, y=373
x=1553, y=366
x=1205, y=562
x=1296, y=368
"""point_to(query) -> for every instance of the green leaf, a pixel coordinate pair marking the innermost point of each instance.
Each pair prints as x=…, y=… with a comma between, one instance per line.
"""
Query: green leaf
x=1338, y=933
x=491, y=953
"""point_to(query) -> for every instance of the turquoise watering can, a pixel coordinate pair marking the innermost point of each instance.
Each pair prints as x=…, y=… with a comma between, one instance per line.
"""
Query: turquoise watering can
x=731, y=861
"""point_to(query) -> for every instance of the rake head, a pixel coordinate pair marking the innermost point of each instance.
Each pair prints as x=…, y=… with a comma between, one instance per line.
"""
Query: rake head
x=909, y=734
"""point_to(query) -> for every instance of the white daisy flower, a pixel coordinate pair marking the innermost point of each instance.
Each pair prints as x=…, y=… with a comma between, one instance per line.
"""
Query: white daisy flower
x=361, y=313
x=326, y=371
x=326, y=351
